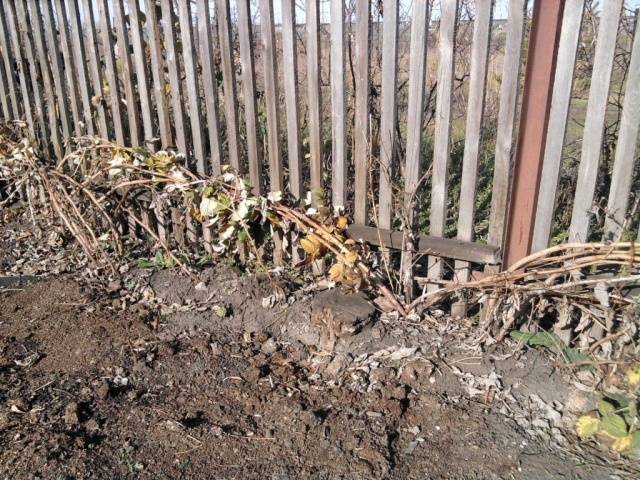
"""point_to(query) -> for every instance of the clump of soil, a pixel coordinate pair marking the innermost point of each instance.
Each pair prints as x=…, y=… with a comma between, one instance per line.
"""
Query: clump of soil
x=238, y=380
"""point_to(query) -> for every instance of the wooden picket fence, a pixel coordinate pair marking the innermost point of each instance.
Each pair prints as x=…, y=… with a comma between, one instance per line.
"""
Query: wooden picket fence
x=190, y=75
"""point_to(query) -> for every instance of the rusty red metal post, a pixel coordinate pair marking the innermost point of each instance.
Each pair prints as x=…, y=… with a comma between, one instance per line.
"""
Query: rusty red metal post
x=532, y=132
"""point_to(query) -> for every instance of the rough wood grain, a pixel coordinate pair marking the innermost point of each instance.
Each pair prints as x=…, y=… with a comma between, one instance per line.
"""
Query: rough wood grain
x=338, y=107
x=111, y=74
x=569, y=37
x=415, y=107
x=7, y=59
x=442, y=138
x=95, y=68
x=622, y=175
x=473, y=128
x=84, y=84
x=506, y=121
x=314, y=93
x=38, y=34
x=157, y=71
x=594, y=122
x=209, y=85
x=290, y=80
x=245, y=33
x=388, y=111
x=73, y=96
x=140, y=64
x=229, y=82
x=127, y=75
x=191, y=78
x=361, y=128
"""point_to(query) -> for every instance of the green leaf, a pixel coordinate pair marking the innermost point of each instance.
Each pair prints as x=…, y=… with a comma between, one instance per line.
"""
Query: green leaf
x=614, y=426
x=544, y=339
x=606, y=408
x=634, y=451
x=242, y=235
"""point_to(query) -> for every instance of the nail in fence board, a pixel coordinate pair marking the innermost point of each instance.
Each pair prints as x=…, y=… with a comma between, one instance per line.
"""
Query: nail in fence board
x=312, y=14
x=442, y=139
x=209, y=84
x=361, y=128
x=191, y=77
x=110, y=70
x=229, y=82
x=338, y=112
x=157, y=72
x=595, y=121
x=245, y=35
x=174, y=75
x=473, y=129
x=622, y=175
x=558, y=116
x=290, y=78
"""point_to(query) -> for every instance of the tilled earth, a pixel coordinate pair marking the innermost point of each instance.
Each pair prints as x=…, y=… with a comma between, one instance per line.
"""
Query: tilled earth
x=219, y=377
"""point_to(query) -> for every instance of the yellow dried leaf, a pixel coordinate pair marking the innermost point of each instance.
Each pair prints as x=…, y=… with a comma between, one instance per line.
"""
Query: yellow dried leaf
x=336, y=272
x=351, y=256
x=309, y=247
x=633, y=375
x=342, y=222
x=587, y=426
x=623, y=444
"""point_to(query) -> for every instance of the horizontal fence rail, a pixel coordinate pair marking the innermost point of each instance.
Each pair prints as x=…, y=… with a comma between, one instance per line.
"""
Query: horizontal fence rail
x=405, y=114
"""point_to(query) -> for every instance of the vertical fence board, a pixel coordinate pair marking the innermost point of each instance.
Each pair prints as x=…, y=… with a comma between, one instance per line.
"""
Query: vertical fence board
x=271, y=100
x=69, y=65
x=271, y=95
x=312, y=18
x=290, y=77
x=415, y=107
x=191, y=77
x=110, y=69
x=78, y=51
x=21, y=63
x=361, y=127
x=38, y=33
x=229, y=81
x=506, y=119
x=157, y=71
x=473, y=129
x=55, y=58
x=622, y=175
x=95, y=67
x=7, y=58
x=127, y=74
x=174, y=75
x=442, y=139
x=388, y=110
x=4, y=93
x=209, y=83
x=338, y=108
x=34, y=75
x=249, y=94
x=142, y=78
x=558, y=116
x=595, y=121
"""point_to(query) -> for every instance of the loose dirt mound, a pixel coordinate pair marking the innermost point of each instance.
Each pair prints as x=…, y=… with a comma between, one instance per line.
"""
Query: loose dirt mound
x=236, y=380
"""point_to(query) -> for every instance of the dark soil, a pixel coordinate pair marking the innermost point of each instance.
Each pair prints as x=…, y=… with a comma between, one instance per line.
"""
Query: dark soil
x=101, y=387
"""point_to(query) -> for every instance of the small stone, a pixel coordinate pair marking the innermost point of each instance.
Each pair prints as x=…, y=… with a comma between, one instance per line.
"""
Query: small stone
x=71, y=414
x=102, y=392
x=269, y=347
